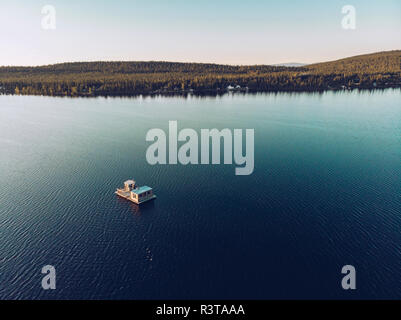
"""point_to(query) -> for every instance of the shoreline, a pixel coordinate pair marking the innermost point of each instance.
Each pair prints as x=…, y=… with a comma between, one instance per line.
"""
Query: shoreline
x=117, y=78
x=200, y=93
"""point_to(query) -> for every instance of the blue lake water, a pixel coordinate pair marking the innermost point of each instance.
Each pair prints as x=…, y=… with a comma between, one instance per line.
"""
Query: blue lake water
x=325, y=192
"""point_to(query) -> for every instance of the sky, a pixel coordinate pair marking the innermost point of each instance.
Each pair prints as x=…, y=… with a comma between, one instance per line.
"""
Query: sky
x=215, y=31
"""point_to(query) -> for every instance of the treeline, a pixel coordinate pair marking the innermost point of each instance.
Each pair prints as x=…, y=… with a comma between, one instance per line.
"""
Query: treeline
x=379, y=70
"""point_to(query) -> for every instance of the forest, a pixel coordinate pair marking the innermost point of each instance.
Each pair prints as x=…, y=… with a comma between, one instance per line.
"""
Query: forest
x=377, y=70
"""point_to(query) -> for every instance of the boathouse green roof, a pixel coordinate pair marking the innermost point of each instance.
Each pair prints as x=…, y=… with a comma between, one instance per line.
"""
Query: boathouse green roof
x=141, y=189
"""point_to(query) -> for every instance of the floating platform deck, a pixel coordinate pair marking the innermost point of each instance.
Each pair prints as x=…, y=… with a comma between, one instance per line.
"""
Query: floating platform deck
x=135, y=194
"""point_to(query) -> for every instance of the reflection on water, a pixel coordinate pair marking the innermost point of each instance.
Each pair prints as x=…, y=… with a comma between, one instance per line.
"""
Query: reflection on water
x=144, y=208
x=235, y=93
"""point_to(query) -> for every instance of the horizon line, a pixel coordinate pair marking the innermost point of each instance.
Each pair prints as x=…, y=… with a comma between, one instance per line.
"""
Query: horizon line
x=193, y=62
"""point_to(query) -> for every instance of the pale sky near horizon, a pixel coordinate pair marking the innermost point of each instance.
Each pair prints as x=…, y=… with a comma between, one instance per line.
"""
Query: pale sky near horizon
x=218, y=31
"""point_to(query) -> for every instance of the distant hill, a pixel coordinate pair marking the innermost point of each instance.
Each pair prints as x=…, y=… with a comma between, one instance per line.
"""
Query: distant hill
x=374, y=63
x=377, y=70
x=290, y=64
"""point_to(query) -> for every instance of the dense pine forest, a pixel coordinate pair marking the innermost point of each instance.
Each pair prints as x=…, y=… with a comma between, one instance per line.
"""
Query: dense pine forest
x=378, y=70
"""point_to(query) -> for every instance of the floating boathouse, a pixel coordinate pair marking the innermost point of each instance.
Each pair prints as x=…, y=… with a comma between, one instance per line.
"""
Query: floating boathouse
x=134, y=193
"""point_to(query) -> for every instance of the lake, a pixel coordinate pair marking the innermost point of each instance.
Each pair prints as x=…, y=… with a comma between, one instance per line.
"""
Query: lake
x=325, y=192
